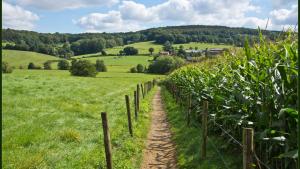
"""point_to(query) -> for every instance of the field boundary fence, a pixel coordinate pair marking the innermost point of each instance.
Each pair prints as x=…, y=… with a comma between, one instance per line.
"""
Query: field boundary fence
x=245, y=143
x=141, y=89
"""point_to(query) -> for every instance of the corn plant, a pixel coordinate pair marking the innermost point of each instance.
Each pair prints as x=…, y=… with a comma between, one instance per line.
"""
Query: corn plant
x=256, y=88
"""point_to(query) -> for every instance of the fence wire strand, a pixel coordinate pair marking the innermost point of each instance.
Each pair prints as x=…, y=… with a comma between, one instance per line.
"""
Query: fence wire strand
x=228, y=134
x=259, y=161
x=217, y=150
x=192, y=108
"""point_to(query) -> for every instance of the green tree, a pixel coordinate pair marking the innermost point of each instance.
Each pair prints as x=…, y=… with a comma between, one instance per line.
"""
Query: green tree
x=100, y=66
x=167, y=46
x=151, y=50
x=63, y=65
x=83, y=68
x=140, y=68
x=165, y=64
x=6, y=68
x=130, y=50
x=133, y=70
x=47, y=65
x=31, y=66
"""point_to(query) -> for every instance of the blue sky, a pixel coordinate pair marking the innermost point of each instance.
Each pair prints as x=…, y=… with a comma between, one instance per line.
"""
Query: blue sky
x=74, y=16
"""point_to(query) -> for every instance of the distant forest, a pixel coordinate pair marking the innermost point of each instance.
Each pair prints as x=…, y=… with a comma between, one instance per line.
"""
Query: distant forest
x=66, y=45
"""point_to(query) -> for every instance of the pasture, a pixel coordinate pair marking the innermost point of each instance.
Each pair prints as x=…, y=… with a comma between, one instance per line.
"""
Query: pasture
x=52, y=120
x=143, y=47
x=18, y=58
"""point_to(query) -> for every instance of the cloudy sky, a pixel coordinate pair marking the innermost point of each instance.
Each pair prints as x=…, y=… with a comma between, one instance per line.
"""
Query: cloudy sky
x=73, y=16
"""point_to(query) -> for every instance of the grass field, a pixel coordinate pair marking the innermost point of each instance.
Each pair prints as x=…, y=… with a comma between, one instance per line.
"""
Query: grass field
x=18, y=58
x=201, y=45
x=143, y=48
x=122, y=64
x=52, y=120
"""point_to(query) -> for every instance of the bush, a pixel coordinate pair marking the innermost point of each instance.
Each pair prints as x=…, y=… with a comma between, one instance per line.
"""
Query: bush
x=130, y=51
x=140, y=68
x=47, y=65
x=63, y=65
x=103, y=53
x=83, y=68
x=133, y=70
x=165, y=64
x=100, y=66
x=6, y=68
x=33, y=66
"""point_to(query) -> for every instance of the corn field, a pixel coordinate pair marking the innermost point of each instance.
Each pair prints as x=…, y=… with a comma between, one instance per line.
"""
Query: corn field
x=255, y=87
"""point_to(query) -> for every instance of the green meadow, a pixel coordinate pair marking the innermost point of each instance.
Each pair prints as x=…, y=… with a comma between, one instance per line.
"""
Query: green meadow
x=52, y=120
x=18, y=58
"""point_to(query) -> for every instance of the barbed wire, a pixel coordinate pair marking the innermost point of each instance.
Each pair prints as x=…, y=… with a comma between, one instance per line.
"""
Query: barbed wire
x=217, y=150
x=226, y=132
x=259, y=161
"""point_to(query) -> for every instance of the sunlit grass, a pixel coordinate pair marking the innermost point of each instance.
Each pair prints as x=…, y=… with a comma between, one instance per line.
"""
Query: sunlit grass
x=52, y=119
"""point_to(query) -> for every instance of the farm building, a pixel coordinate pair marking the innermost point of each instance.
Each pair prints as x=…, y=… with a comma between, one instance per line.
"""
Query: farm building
x=164, y=53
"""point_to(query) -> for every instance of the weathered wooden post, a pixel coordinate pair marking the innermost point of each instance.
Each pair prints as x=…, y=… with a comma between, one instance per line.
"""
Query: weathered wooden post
x=142, y=91
x=128, y=114
x=145, y=88
x=138, y=97
x=107, y=144
x=135, y=106
x=248, y=148
x=204, y=128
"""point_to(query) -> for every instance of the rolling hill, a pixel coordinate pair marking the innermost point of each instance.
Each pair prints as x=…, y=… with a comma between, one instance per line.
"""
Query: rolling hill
x=18, y=58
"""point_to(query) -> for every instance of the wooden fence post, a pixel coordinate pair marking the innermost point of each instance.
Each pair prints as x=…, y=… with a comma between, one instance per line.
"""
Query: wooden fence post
x=135, y=106
x=138, y=97
x=247, y=148
x=204, y=128
x=142, y=91
x=107, y=144
x=145, y=88
x=128, y=114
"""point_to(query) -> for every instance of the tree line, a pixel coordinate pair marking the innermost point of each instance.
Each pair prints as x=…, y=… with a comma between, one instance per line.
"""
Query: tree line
x=65, y=45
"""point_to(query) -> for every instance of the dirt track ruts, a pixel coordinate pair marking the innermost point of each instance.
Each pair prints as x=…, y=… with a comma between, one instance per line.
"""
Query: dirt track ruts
x=160, y=150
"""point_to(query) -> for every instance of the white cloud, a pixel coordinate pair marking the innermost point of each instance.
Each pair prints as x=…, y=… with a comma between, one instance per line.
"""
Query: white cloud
x=15, y=17
x=64, y=4
x=109, y=22
x=285, y=16
x=133, y=11
x=204, y=12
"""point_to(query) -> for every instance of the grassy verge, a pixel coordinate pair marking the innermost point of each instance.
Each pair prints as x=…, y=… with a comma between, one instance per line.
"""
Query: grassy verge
x=188, y=142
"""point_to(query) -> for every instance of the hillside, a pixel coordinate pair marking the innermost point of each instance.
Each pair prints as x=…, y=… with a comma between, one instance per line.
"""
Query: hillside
x=66, y=45
x=23, y=58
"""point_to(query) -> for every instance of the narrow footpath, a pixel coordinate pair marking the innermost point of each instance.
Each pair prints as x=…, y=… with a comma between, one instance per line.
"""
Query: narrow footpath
x=160, y=150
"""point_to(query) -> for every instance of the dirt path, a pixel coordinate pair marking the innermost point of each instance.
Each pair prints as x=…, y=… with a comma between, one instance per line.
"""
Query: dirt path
x=160, y=150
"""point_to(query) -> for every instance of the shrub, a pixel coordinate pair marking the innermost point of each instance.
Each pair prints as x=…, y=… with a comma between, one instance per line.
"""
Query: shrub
x=63, y=65
x=47, y=65
x=130, y=51
x=140, y=68
x=133, y=70
x=165, y=64
x=100, y=66
x=83, y=68
x=6, y=68
x=31, y=66
x=103, y=53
